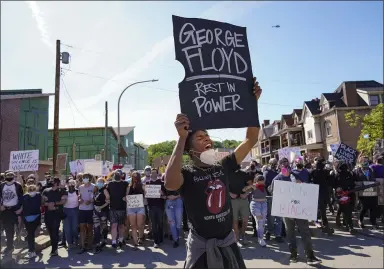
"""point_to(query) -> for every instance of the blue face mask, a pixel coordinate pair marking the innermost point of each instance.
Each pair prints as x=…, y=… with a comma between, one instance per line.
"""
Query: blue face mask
x=100, y=185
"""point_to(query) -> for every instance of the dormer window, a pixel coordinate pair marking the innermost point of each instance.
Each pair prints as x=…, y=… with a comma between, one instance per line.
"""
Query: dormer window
x=374, y=100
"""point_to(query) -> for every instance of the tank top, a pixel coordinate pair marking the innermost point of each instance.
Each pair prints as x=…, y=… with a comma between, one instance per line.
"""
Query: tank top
x=72, y=200
x=86, y=193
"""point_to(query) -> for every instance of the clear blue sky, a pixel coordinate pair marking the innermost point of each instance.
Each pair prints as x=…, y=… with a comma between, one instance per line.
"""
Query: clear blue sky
x=319, y=45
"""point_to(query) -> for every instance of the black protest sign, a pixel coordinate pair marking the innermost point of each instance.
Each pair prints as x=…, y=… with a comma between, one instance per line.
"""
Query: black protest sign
x=217, y=91
x=346, y=154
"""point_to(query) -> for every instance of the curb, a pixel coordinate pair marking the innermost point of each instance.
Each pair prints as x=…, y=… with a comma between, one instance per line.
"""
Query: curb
x=10, y=261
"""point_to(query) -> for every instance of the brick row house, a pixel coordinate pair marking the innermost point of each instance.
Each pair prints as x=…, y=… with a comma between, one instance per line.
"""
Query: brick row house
x=320, y=122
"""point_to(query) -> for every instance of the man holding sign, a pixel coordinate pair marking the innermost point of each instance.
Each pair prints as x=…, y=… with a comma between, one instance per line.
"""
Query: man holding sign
x=290, y=223
x=204, y=188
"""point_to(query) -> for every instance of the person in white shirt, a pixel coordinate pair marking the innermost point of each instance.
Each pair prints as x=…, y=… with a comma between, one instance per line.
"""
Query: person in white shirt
x=71, y=210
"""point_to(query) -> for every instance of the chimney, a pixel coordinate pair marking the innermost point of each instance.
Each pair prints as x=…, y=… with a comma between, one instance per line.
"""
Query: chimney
x=266, y=122
x=350, y=94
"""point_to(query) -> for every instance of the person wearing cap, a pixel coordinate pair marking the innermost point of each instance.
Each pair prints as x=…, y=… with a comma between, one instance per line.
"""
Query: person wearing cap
x=290, y=223
x=274, y=224
x=53, y=199
x=116, y=190
x=11, y=198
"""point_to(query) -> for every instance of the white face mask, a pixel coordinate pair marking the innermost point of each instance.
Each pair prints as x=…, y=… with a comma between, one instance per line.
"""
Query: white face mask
x=85, y=180
x=208, y=157
x=32, y=193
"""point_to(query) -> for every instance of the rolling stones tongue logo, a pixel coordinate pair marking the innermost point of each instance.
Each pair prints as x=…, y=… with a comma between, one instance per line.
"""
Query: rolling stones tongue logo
x=215, y=196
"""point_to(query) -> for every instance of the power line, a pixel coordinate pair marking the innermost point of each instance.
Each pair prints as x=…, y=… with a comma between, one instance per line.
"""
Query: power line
x=155, y=88
x=70, y=106
x=65, y=87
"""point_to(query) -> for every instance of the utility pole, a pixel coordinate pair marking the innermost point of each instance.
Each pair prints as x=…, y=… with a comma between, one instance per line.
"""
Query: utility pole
x=106, y=133
x=57, y=103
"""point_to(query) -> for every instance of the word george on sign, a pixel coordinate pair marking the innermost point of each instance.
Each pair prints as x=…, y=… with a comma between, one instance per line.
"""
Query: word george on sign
x=295, y=200
x=23, y=161
x=217, y=91
x=346, y=154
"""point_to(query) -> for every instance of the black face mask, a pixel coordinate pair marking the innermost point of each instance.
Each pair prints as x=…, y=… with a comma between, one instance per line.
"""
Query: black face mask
x=117, y=177
x=50, y=184
x=253, y=167
x=8, y=179
x=71, y=189
x=300, y=166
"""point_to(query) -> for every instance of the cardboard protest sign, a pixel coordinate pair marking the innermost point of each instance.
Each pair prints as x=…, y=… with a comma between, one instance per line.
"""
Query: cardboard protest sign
x=61, y=161
x=73, y=167
x=152, y=191
x=217, y=89
x=24, y=160
x=295, y=200
x=135, y=201
x=346, y=154
x=94, y=168
x=370, y=192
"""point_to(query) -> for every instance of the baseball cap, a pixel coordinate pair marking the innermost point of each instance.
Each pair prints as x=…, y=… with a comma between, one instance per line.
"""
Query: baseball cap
x=148, y=167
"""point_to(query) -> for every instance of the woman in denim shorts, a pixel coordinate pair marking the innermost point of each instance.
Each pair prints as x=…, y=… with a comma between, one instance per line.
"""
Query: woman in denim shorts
x=136, y=215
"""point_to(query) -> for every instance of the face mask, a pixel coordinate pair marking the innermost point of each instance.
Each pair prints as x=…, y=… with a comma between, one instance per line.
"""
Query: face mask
x=208, y=157
x=117, y=177
x=50, y=184
x=253, y=167
x=32, y=193
x=71, y=189
x=85, y=180
x=9, y=179
x=147, y=173
x=365, y=165
x=285, y=171
x=320, y=166
x=100, y=185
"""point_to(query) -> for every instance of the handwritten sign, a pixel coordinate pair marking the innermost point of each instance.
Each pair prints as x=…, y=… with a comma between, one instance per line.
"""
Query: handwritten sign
x=381, y=191
x=289, y=152
x=94, y=168
x=152, y=191
x=24, y=160
x=61, y=163
x=370, y=192
x=295, y=200
x=346, y=153
x=217, y=89
x=135, y=201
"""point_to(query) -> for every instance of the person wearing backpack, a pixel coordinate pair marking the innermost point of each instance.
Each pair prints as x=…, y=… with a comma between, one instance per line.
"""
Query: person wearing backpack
x=11, y=197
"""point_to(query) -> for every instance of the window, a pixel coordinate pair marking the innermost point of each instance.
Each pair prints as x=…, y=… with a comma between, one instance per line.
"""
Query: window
x=276, y=129
x=328, y=128
x=374, y=100
x=309, y=134
x=126, y=142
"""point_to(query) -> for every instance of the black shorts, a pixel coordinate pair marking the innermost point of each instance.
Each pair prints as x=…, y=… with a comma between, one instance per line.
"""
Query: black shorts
x=85, y=216
x=117, y=216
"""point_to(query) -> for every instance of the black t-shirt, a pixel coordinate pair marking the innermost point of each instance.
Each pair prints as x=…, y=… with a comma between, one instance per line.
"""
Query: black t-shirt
x=54, y=195
x=100, y=199
x=174, y=193
x=157, y=202
x=133, y=191
x=206, y=198
x=238, y=180
x=117, y=191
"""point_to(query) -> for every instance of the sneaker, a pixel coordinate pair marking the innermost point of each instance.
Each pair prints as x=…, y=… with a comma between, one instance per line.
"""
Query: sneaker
x=262, y=242
x=97, y=249
x=103, y=244
x=114, y=245
x=82, y=250
x=140, y=241
x=268, y=236
x=135, y=248
x=312, y=260
x=352, y=231
x=53, y=253
x=239, y=244
x=279, y=239
x=293, y=257
x=155, y=245
x=62, y=244
x=121, y=244
x=175, y=244
x=361, y=224
x=317, y=224
x=30, y=255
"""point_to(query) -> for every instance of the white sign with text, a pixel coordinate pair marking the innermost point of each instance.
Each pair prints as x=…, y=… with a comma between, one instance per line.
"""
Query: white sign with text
x=94, y=168
x=24, y=160
x=152, y=191
x=135, y=201
x=295, y=200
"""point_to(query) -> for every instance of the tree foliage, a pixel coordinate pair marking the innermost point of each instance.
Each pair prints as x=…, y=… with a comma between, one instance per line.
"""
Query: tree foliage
x=165, y=148
x=372, y=127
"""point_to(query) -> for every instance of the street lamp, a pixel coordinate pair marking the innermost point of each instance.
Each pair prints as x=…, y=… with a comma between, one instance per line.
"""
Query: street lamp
x=118, y=115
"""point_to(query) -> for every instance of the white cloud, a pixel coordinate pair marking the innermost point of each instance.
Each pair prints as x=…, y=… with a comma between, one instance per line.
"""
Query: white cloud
x=41, y=25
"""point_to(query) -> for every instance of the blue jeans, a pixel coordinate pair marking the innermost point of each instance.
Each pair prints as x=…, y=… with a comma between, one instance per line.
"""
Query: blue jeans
x=274, y=224
x=174, y=210
x=259, y=212
x=71, y=225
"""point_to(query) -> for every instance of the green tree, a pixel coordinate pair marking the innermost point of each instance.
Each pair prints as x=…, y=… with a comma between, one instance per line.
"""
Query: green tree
x=160, y=149
x=217, y=144
x=231, y=144
x=372, y=127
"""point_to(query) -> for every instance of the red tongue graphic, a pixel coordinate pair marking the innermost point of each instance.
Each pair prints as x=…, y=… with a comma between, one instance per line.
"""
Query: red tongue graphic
x=216, y=197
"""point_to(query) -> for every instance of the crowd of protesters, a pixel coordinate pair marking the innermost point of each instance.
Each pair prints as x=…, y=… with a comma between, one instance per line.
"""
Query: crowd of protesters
x=90, y=208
